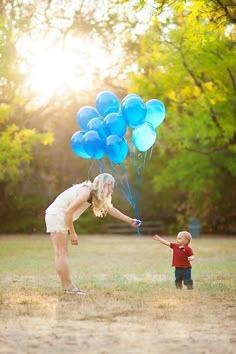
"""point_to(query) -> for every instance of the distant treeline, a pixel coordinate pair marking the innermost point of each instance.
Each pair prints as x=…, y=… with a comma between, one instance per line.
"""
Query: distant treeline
x=185, y=58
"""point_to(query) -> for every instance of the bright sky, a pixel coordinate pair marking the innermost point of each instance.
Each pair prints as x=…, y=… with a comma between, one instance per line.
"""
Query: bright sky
x=52, y=70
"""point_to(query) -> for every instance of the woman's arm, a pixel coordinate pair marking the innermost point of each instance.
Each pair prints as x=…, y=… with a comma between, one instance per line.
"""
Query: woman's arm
x=81, y=199
x=119, y=215
x=158, y=238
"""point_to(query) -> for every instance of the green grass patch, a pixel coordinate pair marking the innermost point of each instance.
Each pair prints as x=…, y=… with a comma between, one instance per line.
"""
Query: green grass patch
x=123, y=275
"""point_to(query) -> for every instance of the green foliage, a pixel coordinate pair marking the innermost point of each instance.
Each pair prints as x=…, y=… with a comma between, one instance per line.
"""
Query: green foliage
x=201, y=17
x=186, y=59
x=196, y=148
x=36, y=161
x=16, y=141
x=16, y=150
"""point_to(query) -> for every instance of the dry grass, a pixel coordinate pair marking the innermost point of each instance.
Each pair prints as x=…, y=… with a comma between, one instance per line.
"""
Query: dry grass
x=131, y=305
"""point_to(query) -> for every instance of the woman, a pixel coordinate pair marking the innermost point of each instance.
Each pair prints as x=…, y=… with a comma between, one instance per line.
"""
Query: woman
x=68, y=207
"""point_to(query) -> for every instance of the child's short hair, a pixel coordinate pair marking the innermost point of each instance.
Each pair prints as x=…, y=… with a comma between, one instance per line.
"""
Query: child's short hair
x=187, y=236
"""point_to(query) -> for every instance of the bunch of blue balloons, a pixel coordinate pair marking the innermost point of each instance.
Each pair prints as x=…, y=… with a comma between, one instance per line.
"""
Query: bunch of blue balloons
x=104, y=127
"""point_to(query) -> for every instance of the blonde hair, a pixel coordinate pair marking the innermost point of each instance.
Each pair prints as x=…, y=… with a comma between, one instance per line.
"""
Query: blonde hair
x=186, y=235
x=101, y=201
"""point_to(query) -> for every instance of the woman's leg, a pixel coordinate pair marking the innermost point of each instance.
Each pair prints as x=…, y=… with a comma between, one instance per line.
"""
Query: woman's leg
x=60, y=244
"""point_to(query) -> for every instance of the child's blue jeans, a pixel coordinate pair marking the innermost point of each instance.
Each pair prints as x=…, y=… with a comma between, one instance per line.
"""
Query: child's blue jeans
x=183, y=274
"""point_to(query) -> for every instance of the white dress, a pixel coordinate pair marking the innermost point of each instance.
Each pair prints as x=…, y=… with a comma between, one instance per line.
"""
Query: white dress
x=55, y=213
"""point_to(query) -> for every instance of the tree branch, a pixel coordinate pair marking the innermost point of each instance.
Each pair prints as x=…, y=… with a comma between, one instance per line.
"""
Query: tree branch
x=199, y=84
x=216, y=149
x=229, y=9
x=232, y=77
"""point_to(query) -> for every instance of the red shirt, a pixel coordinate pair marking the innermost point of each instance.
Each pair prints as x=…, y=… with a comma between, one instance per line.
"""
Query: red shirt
x=180, y=256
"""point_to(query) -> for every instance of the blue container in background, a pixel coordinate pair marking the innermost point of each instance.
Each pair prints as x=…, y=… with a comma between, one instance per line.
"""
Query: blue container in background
x=194, y=227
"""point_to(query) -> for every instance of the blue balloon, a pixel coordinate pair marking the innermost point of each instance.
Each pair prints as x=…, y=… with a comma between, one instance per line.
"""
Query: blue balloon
x=155, y=112
x=144, y=136
x=107, y=102
x=85, y=114
x=97, y=124
x=134, y=111
x=114, y=123
x=93, y=144
x=76, y=144
x=116, y=148
x=129, y=95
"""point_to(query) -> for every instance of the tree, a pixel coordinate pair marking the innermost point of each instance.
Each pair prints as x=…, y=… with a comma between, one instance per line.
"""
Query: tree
x=218, y=12
x=15, y=141
x=196, y=150
x=36, y=161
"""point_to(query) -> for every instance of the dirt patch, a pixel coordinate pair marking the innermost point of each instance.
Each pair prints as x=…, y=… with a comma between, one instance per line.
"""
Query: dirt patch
x=105, y=324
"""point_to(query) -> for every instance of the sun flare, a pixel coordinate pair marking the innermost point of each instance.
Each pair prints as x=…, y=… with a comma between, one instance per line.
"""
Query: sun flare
x=53, y=71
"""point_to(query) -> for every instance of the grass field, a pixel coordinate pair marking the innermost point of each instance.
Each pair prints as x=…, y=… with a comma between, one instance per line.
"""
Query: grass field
x=131, y=306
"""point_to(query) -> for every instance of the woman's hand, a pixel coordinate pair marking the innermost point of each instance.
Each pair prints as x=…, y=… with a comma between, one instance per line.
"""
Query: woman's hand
x=74, y=239
x=135, y=223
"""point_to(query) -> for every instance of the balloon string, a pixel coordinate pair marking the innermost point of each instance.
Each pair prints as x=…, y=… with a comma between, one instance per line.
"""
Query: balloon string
x=139, y=177
x=133, y=154
x=126, y=189
x=132, y=201
x=151, y=151
x=118, y=175
x=123, y=169
x=123, y=183
x=115, y=172
x=101, y=164
x=90, y=168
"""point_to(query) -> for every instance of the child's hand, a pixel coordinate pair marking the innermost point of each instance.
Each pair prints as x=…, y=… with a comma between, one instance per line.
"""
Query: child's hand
x=191, y=258
x=156, y=238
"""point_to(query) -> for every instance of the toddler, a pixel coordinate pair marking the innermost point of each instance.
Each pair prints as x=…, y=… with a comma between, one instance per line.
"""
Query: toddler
x=182, y=256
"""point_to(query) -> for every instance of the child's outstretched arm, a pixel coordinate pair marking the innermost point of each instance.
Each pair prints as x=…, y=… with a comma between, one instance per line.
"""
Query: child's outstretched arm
x=191, y=258
x=158, y=238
